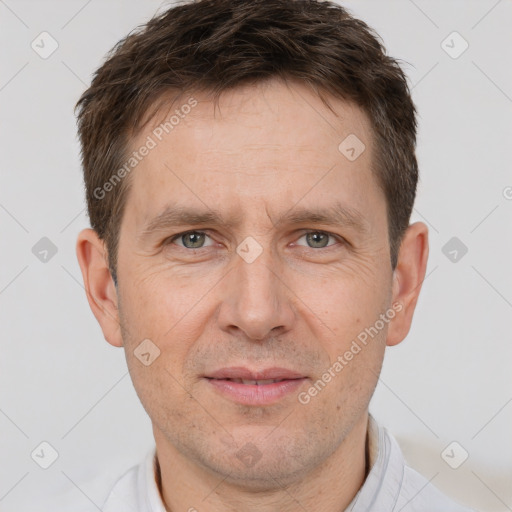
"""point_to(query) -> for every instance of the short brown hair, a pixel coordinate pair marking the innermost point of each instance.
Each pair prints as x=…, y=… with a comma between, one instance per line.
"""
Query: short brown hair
x=216, y=45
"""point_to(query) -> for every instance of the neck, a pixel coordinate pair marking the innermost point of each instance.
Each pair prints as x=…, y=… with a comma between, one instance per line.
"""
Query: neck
x=328, y=487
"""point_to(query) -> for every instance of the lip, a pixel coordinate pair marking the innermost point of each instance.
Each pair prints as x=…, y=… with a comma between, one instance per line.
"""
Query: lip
x=255, y=394
x=240, y=372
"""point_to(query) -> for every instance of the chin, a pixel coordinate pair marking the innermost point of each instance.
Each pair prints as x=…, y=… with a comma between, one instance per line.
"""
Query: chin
x=262, y=461
x=267, y=475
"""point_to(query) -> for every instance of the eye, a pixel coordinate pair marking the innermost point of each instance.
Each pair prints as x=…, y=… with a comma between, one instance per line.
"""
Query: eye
x=191, y=239
x=318, y=239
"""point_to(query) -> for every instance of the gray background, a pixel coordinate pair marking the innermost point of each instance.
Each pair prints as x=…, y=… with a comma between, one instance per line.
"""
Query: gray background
x=60, y=382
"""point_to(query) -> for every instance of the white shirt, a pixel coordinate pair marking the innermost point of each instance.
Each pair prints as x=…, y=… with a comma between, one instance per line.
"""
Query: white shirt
x=391, y=485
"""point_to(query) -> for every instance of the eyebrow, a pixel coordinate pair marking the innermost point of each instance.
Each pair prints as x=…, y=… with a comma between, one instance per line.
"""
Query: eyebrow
x=336, y=215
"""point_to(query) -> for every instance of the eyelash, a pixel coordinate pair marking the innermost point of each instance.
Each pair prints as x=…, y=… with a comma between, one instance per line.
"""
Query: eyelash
x=332, y=235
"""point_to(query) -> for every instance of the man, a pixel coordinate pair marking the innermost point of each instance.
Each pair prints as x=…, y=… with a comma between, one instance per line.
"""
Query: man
x=250, y=174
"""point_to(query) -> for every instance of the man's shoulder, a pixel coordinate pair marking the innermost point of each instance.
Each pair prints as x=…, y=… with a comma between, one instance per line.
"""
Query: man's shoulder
x=136, y=489
x=124, y=493
x=392, y=485
x=417, y=494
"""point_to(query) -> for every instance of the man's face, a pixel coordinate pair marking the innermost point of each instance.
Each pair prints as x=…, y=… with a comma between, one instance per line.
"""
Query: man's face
x=271, y=280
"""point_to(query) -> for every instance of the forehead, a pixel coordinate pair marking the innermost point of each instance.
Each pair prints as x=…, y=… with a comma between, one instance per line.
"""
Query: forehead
x=266, y=146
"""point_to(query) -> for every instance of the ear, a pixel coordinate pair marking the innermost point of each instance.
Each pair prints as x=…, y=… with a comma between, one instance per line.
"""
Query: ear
x=99, y=286
x=407, y=280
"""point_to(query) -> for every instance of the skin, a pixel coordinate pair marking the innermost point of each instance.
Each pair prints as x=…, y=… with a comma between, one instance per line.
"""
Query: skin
x=269, y=149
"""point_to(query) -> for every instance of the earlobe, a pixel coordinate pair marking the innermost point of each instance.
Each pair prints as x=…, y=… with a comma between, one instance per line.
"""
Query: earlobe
x=407, y=280
x=99, y=286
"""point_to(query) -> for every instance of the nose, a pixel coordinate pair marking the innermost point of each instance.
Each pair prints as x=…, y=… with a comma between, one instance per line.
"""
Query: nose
x=256, y=299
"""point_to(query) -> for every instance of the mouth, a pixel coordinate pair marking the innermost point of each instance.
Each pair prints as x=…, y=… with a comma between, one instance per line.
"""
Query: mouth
x=262, y=382
x=255, y=387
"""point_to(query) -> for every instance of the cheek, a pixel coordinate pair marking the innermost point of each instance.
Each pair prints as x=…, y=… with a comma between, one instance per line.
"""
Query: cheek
x=350, y=307
x=159, y=304
x=345, y=302
x=345, y=388
x=162, y=393
x=173, y=317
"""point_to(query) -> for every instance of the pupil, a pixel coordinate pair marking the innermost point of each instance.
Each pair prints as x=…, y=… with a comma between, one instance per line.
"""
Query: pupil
x=317, y=239
x=193, y=240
